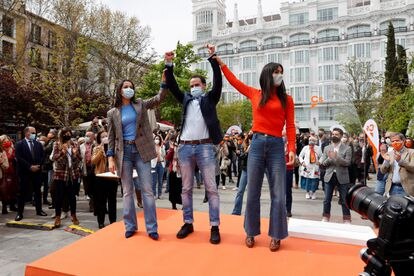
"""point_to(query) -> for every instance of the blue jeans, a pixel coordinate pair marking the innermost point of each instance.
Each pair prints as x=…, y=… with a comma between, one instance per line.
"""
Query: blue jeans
x=266, y=153
x=131, y=159
x=238, y=202
x=343, y=190
x=157, y=174
x=311, y=184
x=204, y=156
x=380, y=185
x=289, y=180
x=397, y=191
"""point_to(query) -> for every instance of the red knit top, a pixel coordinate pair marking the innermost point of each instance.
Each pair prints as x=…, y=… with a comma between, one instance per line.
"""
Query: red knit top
x=270, y=118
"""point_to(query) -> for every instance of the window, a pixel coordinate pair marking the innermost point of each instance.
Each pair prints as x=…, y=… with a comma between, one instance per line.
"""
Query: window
x=326, y=114
x=328, y=35
x=7, y=51
x=299, y=18
x=299, y=75
x=299, y=39
x=360, y=3
x=327, y=14
x=201, y=35
x=228, y=61
x=225, y=49
x=398, y=41
x=328, y=54
x=359, y=31
x=301, y=94
x=398, y=24
x=302, y=114
x=35, y=33
x=274, y=57
x=35, y=58
x=249, y=63
x=272, y=42
x=328, y=72
x=299, y=57
x=359, y=50
x=204, y=17
x=51, y=39
x=329, y=92
x=249, y=45
x=7, y=26
x=249, y=78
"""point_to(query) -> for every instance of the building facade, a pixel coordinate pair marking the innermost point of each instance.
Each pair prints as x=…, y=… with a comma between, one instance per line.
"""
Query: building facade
x=312, y=39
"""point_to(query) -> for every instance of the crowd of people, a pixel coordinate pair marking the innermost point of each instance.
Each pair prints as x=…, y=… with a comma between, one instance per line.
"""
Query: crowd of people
x=124, y=150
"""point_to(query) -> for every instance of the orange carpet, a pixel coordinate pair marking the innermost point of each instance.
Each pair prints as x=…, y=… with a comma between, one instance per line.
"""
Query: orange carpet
x=107, y=252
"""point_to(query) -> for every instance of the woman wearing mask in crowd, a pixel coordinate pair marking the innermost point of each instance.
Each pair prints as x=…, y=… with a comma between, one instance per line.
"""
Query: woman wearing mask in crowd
x=243, y=156
x=308, y=159
x=174, y=179
x=131, y=144
x=157, y=166
x=106, y=188
x=272, y=109
x=381, y=177
x=9, y=188
x=67, y=158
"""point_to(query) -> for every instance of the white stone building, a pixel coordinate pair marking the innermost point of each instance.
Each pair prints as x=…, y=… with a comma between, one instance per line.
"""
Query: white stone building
x=311, y=39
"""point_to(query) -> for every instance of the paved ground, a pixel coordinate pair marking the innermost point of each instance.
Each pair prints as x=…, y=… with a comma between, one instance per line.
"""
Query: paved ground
x=21, y=246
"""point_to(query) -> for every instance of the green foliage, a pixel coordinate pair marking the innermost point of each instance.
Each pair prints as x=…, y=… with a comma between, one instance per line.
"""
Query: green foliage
x=398, y=110
x=391, y=78
x=170, y=109
x=402, y=68
x=236, y=113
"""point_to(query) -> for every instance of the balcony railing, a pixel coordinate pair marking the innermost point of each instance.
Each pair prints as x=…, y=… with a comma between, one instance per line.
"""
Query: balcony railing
x=299, y=42
x=225, y=52
x=202, y=54
x=328, y=38
x=272, y=46
x=396, y=30
x=361, y=34
x=248, y=49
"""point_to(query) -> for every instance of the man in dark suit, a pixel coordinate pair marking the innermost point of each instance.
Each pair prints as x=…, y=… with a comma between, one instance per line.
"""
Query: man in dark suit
x=200, y=133
x=29, y=155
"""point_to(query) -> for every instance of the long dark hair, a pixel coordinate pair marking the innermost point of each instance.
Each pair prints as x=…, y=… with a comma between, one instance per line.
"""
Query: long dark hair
x=62, y=132
x=267, y=84
x=118, y=93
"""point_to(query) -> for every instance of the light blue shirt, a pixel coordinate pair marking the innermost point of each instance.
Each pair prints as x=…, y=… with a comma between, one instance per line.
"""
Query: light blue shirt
x=129, y=122
x=396, y=173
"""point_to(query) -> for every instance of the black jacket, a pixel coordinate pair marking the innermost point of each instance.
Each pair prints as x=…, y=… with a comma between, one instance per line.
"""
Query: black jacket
x=207, y=103
x=24, y=156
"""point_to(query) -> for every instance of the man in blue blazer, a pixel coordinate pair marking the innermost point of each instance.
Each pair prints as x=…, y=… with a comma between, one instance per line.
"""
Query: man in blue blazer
x=29, y=155
x=199, y=134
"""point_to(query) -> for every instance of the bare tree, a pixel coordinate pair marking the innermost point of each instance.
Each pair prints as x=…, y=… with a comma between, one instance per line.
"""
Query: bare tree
x=360, y=93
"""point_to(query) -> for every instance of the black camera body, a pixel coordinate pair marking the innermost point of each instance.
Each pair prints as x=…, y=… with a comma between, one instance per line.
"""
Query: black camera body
x=393, y=249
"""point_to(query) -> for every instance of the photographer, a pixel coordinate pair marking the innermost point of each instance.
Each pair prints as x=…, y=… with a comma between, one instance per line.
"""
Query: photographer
x=399, y=163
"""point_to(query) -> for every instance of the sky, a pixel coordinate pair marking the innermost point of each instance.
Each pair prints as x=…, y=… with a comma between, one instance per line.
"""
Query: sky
x=171, y=20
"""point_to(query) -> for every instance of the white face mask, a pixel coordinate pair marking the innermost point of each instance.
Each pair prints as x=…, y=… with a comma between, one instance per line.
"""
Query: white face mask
x=196, y=91
x=105, y=140
x=128, y=93
x=277, y=79
x=87, y=139
x=157, y=141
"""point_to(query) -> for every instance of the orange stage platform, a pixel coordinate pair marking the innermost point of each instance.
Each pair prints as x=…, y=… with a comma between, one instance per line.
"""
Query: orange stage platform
x=107, y=252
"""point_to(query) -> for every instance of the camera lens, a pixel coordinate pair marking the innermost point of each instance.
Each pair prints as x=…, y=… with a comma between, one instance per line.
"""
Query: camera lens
x=366, y=202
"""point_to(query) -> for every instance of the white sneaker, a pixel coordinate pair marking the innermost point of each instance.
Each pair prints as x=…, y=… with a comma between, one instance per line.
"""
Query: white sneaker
x=224, y=187
x=325, y=219
x=235, y=189
x=313, y=196
x=307, y=196
x=64, y=215
x=347, y=221
x=53, y=216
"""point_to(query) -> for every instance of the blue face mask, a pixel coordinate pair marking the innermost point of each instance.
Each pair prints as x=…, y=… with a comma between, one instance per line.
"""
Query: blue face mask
x=32, y=136
x=196, y=91
x=128, y=93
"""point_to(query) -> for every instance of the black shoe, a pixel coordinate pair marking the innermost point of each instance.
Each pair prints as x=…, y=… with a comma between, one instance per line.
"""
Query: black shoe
x=41, y=213
x=129, y=234
x=205, y=200
x=215, y=235
x=289, y=214
x=154, y=236
x=19, y=217
x=101, y=225
x=185, y=230
x=46, y=202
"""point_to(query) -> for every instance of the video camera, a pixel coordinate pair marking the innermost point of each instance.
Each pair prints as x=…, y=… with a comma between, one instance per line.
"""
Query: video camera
x=393, y=249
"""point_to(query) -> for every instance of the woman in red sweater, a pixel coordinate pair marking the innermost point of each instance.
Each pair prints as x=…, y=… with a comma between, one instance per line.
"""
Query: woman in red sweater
x=272, y=110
